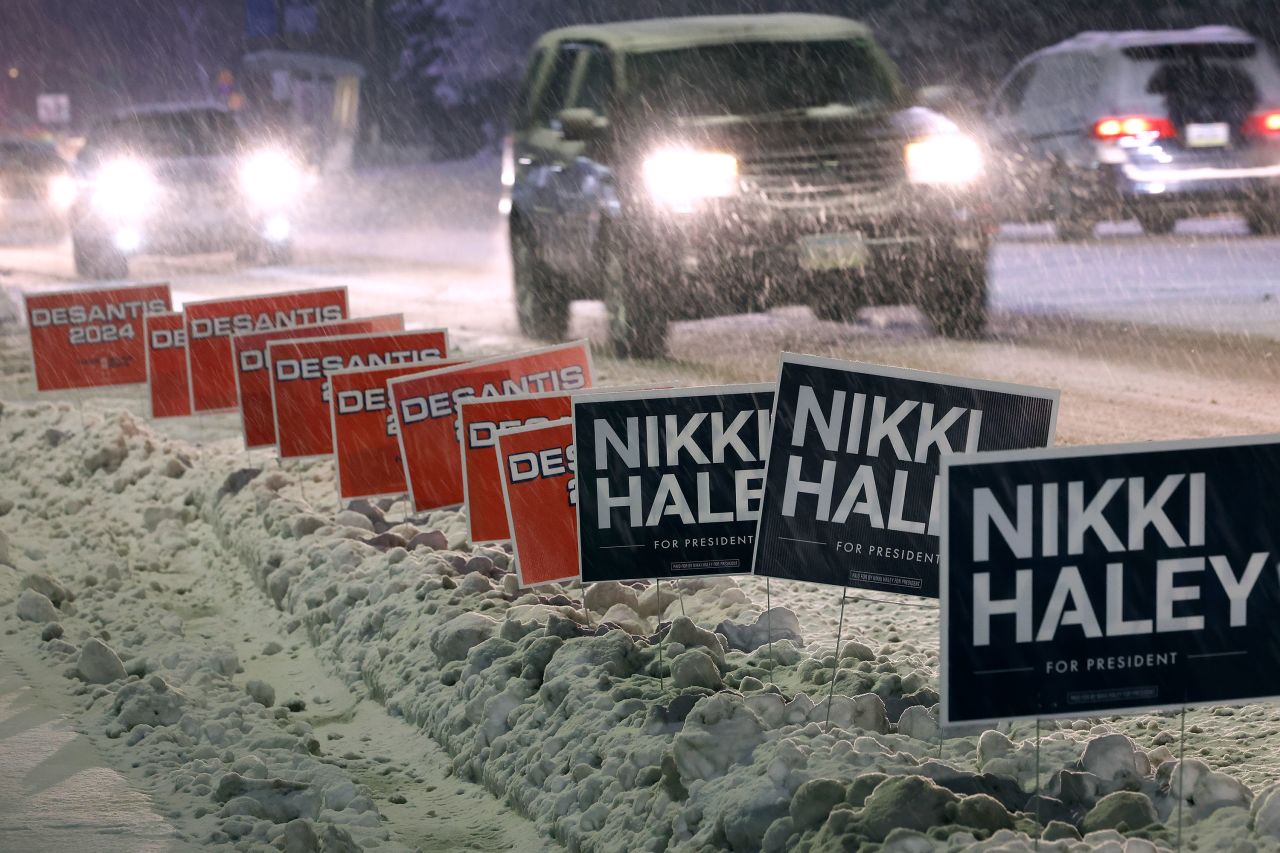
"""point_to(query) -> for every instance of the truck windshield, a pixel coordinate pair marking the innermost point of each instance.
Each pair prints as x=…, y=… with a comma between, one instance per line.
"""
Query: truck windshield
x=206, y=133
x=753, y=78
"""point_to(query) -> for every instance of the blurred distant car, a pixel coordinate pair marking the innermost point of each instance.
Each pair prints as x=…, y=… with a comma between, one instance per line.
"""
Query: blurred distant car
x=705, y=165
x=36, y=186
x=1153, y=125
x=181, y=180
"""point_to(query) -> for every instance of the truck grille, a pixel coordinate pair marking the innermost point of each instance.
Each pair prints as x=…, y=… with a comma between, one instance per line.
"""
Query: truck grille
x=807, y=178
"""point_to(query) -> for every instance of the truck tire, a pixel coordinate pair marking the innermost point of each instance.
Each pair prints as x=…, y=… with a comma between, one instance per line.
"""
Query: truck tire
x=98, y=261
x=1071, y=218
x=633, y=299
x=1156, y=222
x=837, y=296
x=542, y=300
x=265, y=252
x=956, y=302
x=278, y=254
x=1262, y=221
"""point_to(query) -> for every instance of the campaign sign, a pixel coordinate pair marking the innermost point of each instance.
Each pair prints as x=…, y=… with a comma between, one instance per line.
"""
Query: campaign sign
x=670, y=482
x=211, y=325
x=92, y=338
x=426, y=408
x=253, y=376
x=166, y=336
x=366, y=453
x=851, y=494
x=1093, y=580
x=537, y=480
x=300, y=369
x=479, y=421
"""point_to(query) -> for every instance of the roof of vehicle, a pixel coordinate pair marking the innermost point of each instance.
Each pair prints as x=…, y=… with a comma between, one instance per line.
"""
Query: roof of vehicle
x=1121, y=39
x=674, y=33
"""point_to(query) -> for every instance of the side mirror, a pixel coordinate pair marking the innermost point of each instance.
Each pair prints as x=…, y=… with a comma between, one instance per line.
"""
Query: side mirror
x=582, y=125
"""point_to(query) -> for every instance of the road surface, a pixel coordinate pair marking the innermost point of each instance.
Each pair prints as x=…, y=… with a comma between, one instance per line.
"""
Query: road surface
x=429, y=241
x=1184, y=325
x=1148, y=338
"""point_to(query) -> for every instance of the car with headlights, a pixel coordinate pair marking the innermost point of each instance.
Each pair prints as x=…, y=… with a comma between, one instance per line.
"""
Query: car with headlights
x=181, y=180
x=36, y=186
x=1152, y=125
x=688, y=167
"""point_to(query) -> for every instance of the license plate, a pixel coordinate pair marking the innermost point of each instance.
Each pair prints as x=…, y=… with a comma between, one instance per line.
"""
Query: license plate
x=820, y=252
x=1214, y=135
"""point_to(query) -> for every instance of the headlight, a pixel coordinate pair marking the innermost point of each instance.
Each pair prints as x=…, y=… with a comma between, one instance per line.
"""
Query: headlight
x=679, y=177
x=271, y=179
x=62, y=192
x=950, y=159
x=124, y=189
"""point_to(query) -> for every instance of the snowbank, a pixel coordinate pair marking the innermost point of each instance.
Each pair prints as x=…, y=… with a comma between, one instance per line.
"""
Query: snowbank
x=609, y=734
x=157, y=697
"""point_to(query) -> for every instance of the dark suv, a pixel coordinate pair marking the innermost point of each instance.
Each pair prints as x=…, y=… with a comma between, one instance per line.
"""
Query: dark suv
x=1155, y=125
x=697, y=166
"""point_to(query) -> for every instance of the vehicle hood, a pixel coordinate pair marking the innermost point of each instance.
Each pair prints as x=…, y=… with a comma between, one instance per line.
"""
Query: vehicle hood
x=816, y=128
x=198, y=171
x=190, y=171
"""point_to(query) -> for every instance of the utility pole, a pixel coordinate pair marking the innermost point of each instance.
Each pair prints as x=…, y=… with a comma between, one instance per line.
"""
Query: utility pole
x=282, y=34
x=374, y=67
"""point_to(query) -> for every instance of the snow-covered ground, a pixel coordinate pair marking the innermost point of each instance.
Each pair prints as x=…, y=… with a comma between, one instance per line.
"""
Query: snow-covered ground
x=257, y=668
x=57, y=790
x=420, y=701
x=1211, y=275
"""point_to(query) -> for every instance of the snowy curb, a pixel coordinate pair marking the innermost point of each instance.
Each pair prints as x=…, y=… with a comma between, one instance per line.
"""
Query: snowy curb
x=571, y=725
x=154, y=696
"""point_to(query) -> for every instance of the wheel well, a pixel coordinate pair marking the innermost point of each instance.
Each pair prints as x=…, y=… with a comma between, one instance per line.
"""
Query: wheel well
x=516, y=222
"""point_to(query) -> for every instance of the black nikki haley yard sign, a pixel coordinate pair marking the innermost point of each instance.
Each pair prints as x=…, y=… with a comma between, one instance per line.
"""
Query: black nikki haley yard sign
x=851, y=492
x=669, y=481
x=1087, y=580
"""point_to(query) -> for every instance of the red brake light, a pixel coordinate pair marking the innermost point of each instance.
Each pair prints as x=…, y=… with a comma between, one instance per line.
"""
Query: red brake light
x=1120, y=127
x=1263, y=124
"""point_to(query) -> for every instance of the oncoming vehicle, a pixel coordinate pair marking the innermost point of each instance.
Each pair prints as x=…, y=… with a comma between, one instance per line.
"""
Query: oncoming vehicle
x=697, y=166
x=36, y=187
x=1154, y=125
x=180, y=180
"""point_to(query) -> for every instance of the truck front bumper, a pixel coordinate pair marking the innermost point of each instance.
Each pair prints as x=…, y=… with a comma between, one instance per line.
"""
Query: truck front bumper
x=185, y=234
x=896, y=236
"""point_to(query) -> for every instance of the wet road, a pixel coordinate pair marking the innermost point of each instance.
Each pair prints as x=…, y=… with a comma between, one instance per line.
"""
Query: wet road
x=428, y=241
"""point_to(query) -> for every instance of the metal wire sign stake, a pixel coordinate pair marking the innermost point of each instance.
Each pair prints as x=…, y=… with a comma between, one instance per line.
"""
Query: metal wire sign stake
x=768, y=624
x=1039, y=829
x=1182, y=766
x=835, y=666
x=662, y=678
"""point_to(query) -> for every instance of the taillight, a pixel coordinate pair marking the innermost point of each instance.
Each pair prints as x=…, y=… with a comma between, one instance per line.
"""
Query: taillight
x=1113, y=128
x=1263, y=124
